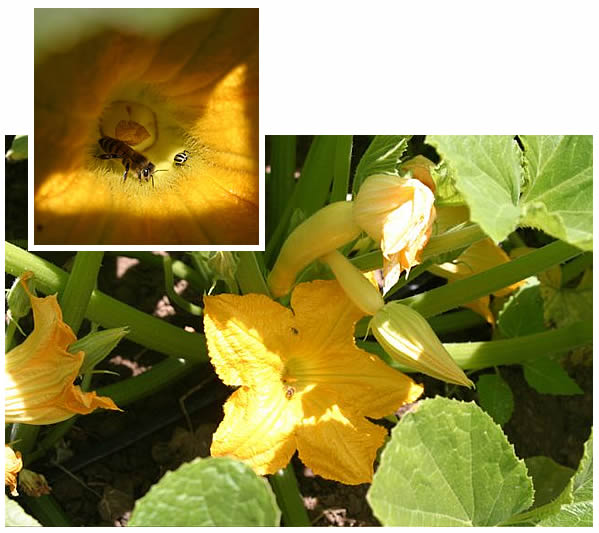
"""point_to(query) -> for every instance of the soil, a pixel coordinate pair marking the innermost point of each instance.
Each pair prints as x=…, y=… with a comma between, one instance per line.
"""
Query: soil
x=108, y=460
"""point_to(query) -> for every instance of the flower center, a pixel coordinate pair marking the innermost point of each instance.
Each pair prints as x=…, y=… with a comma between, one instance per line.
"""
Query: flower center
x=142, y=140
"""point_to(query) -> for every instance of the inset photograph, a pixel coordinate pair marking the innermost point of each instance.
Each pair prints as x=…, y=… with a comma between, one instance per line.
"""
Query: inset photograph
x=146, y=127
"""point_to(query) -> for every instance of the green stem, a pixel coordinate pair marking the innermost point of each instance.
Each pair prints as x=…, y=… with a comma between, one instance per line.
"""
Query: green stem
x=74, y=299
x=169, y=282
x=289, y=498
x=46, y=510
x=460, y=292
x=144, y=329
x=24, y=436
x=249, y=274
x=477, y=355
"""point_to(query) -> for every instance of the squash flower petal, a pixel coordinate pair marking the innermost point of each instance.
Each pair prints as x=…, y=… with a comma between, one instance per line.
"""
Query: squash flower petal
x=183, y=96
x=398, y=213
x=13, y=463
x=304, y=385
x=39, y=373
x=480, y=256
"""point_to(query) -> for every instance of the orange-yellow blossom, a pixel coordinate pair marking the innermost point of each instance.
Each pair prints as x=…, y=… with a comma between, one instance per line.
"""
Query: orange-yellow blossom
x=39, y=373
x=482, y=255
x=165, y=82
x=399, y=214
x=303, y=383
x=13, y=463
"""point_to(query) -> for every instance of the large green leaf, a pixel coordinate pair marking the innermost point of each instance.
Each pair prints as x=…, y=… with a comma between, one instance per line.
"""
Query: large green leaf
x=14, y=515
x=555, y=173
x=488, y=174
x=559, y=198
x=208, y=492
x=448, y=464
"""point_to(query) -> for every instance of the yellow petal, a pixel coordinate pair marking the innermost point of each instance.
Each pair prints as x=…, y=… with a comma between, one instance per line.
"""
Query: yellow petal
x=199, y=80
x=398, y=213
x=13, y=463
x=337, y=443
x=258, y=428
x=329, y=357
x=248, y=337
x=40, y=372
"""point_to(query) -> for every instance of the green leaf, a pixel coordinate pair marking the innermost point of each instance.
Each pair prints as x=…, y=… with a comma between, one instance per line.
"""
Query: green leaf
x=495, y=397
x=559, y=198
x=580, y=511
x=382, y=157
x=488, y=175
x=208, y=492
x=522, y=313
x=341, y=169
x=14, y=515
x=566, y=305
x=557, y=178
x=280, y=183
x=548, y=377
x=448, y=464
x=549, y=478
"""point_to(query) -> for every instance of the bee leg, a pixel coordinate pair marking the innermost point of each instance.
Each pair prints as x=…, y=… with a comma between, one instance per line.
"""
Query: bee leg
x=126, y=171
x=152, y=180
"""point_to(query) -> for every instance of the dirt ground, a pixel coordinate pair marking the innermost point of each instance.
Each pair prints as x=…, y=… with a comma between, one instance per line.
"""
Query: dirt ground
x=111, y=459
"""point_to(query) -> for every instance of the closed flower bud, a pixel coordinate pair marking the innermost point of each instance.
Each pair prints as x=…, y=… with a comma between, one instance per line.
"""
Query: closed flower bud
x=408, y=338
x=17, y=299
x=398, y=213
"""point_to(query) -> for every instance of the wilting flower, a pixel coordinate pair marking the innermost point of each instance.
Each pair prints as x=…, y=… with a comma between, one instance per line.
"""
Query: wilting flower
x=180, y=88
x=398, y=213
x=479, y=257
x=13, y=463
x=303, y=384
x=39, y=373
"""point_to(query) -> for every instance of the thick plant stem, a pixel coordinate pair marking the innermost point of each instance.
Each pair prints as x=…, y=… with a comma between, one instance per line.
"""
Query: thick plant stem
x=477, y=355
x=78, y=288
x=144, y=329
x=460, y=292
x=284, y=484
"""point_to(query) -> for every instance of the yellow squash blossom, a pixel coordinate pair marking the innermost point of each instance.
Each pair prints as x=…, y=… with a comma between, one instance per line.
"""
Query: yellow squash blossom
x=399, y=214
x=13, y=463
x=183, y=95
x=482, y=255
x=39, y=373
x=303, y=384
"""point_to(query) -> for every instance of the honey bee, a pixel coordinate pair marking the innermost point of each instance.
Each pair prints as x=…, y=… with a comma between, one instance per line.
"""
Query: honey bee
x=132, y=160
x=181, y=157
x=289, y=392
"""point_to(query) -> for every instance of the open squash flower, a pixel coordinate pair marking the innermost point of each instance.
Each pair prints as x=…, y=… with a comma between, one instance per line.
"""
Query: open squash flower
x=13, y=463
x=303, y=384
x=173, y=96
x=39, y=373
x=480, y=256
x=399, y=214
